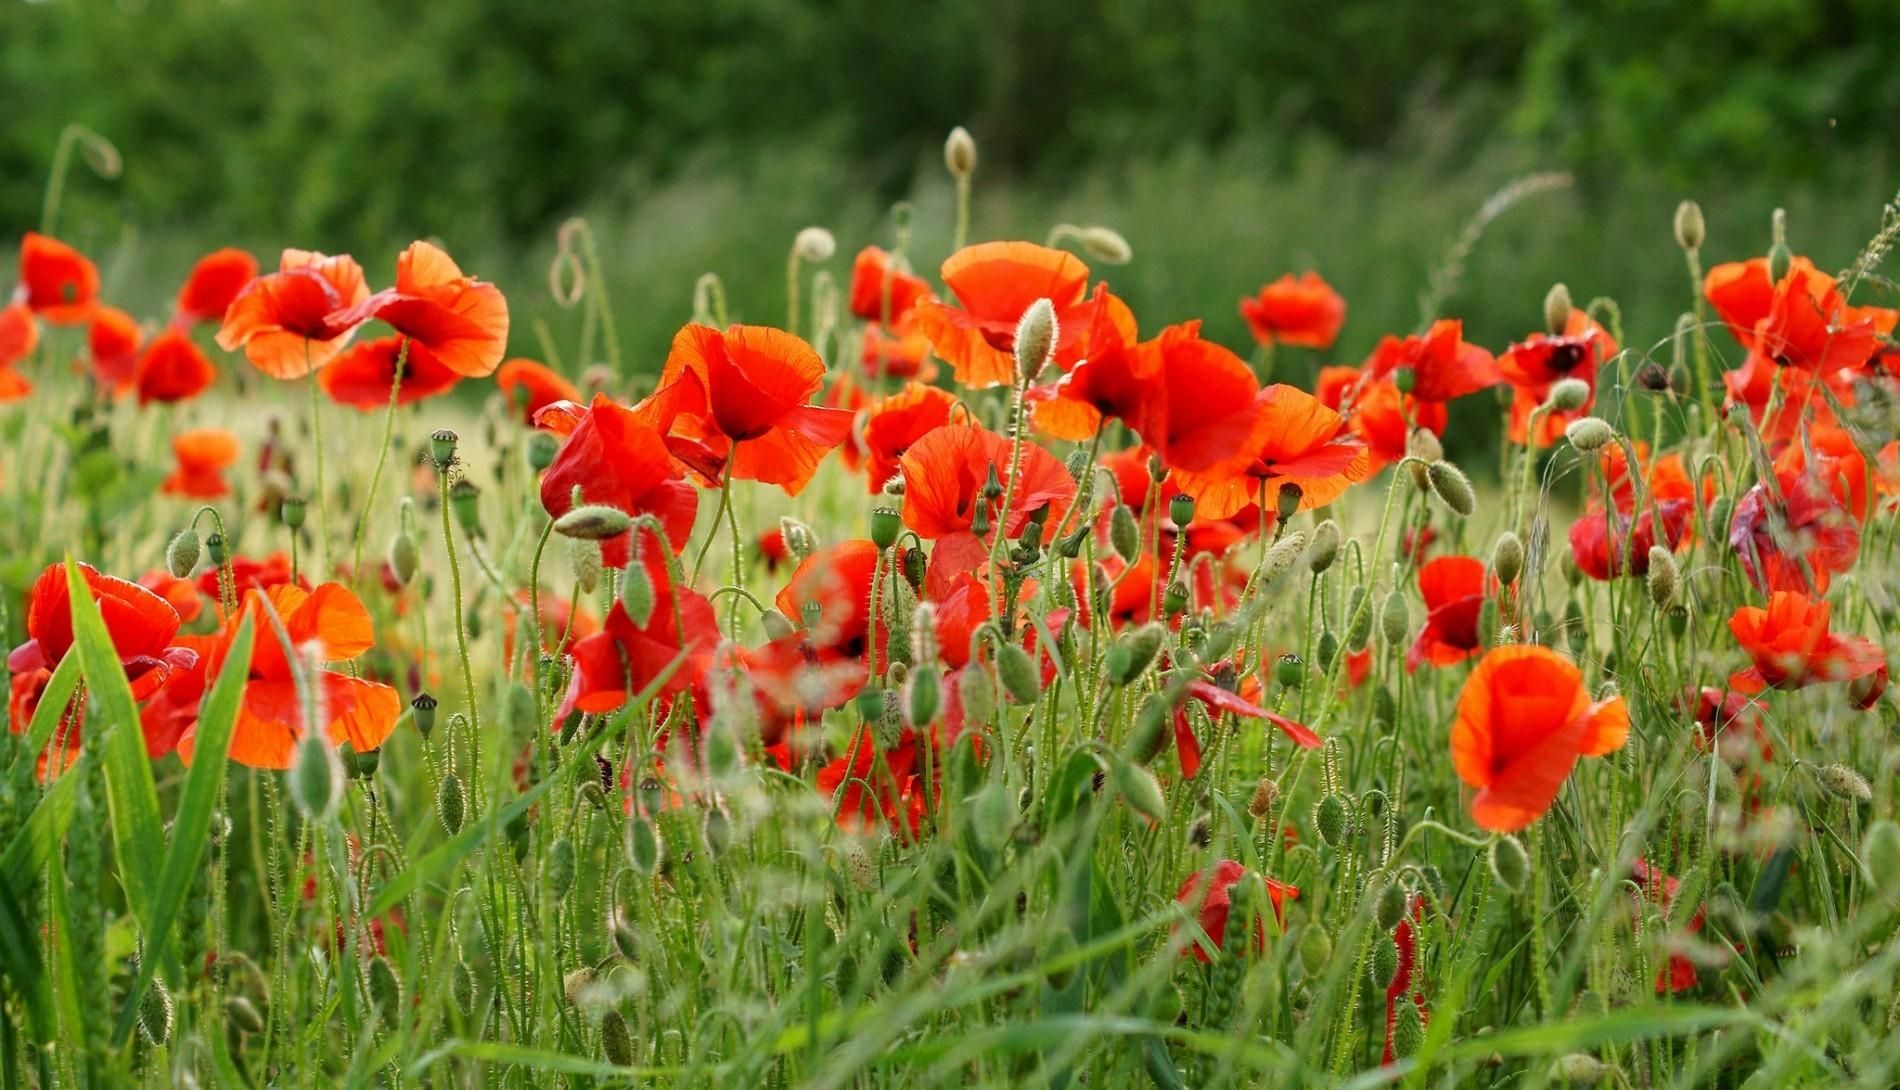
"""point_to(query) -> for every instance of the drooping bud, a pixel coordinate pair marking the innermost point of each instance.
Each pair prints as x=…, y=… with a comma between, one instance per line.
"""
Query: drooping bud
x=924, y=697
x=1106, y=245
x=1358, y=618
x=1880, y=858
x=1590, y=433
x=1451, y=485
x=616, y=1040
x=1036, y=337
x=385, y=991
x=1568, y=395
x=542, y=447
x=1325, y=547
x=1408, y=1028
x=155, y=1013
x=1316, y=949
x=450, y=803
x=643, y=844
x=1507, y=558
x=181, y=556
x=442, y=448
x=593, y=522
x=637, y=592
x=1690, y=229
x=584, y=555
x=1509, y=863
x=1281, y=558
x=462, y=502
x=1844, y=783
x=959, y=152
x=1557, y=308
x=1260, y=804
x=1141, y=790
x=814, y=244
x=776, y=625
x=1424, y=446
x=977, y=694
x=1385, y=961
x=243, y=1014
x=1580, y=1069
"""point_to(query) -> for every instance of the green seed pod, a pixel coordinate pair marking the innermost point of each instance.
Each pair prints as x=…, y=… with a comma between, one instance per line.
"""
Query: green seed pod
x=1507, y=558
x=1131, y=654
x=1124, y=533
x=1325, y=547
x=462, y=989
x=442, y=448
x=1408, y=1028
x=1690, y=229
x=316, y=777
x=559, y=868
x=915, y=567
x=717, y=829
x=1329, y=820
x=1395, y=618
x=923, y=694
x=403, y=557
x=643, y=845
x=1509, y=863
x=359, y=766
x=1391, y=905
x=450, y=803
x=1141, y=790
x=385, y=991
x=637, y=593
x=291, y=511
x=886, y=524
x=155, y=1013
x=616, y=1041
x=977, y=694
x=423, y=707
x=1290, y=670
x=1174, y=600
x=1385, y=962
x=593, y=522
x=243, y=1014
x=1181, y=510
x=1018, y=673
x=1557, y=307
x=1451, y=486
x=542, y=447
x=1664, y=579
x=1036, y=337
x=1316, y=949
x=1880, y=859
x=215, y=550
x=1589, y=433
x=1358, y=618
x=181, y=556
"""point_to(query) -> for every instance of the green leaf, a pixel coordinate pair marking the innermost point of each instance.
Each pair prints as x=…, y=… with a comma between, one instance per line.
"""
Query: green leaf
x=534, y=1059
x=119, y=740
x=20, y=961
x=40, y=837
x=191, y=828
x=53, y=700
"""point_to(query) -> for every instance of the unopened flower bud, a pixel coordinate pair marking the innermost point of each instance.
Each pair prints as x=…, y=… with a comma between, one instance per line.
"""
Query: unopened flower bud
x=215, y=550
x=1568, y=395
x=1358, y=618
x=1589, y=433
x=1324, y=548
x=593, y=522
x=1390, y=908
x=1507, y=558
x=1105, y=244
x=450, y=803
x=1880, y=858
x=1408, y=1028
x=1260, y=804
x=1557, y=309
x=1844, y=783
x=1329, y=820
x=959, y=152
x=1580, y=1069
x=1036, y=337
x=637, y=592
x=1509, y=863
x=1281, y=558
x=316, y=777
x=181, y=556
x=814, y=244
x=1690, y=230
x=403, y=558
x=1451, y=485
x=1124, y=533
x=1132, y=653
x=1664, y=579
x=1385, y=962
x=1142, y=791
x=1422, y=446
x=1395, y=618
x=1018, y=673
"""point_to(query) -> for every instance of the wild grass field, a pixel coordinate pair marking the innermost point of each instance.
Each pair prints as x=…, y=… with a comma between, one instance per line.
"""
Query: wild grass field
x=952, y=672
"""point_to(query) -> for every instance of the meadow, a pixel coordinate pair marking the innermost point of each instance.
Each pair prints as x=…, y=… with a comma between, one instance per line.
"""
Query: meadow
x=952, y=672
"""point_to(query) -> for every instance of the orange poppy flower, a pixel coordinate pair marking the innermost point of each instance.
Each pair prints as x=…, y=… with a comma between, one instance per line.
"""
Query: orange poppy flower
x=1524, y=718
x=19, y=335
x=203, y=454
x=945, y=471
x=1212, y=907
x=214, y=282
x=1116, y=379
x=1294, y=440
x=462, y=320
x=298, y=318
x=745, y=394
x=249, y=573
x=172, y=369
x=57, y=282
x=1203, y=418
x=881, y=291
x=113, y=339
x=1792, y=648
x=1442, y=366
x=1800, y=321
x=1302, y=310
x=996, y=282
x=363, y=376
x=898, y=421
x=1534, y=365
x=182, y=594
x=528, y=387
x=1454, y=589
x=901, y=353
x=611, y=458
x=328, y=625
x=623, y=658
x=1378, y=414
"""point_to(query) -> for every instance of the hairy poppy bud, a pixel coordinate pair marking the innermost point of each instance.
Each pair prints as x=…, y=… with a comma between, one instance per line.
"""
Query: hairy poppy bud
x=616, y=1041
x=1390, y=908
x=1358, y=618
x=442, y=447
x=593, y=522
x=1507, y=558
x=886, y=524
x=916, y=566
x=1589, y=433
x=924, y=697
x=1780, y=257
x=1018, y=673
x=1124, y=533
x=814, y=244
x=1316, y=949
x=243, y=1014
x=643, y=844
x=316, y=777
x=1036, y=336
x=542, y=447
x=717, y=829
x=291, y=511
x=1880, y=858
x=181, y=556
x=1280, y=559
x=1580, y=1069
x=584, y=555
x=155, y=1013
x=1105, y=244
x=1395, y=618
x=1451, y=485
x=450, y=803
x=977, y=695
x=959, y=152
x=1326, y=650
x=559, y=868
x=1425, y=447
x=1150, y=732
x=776, y=625
x=1132, y=653
x=462, y=502
x=1265, y=793
x=1325, y=546
x=1329, y=820
x=403, y=558
x=1286, y=502
x=1690, y=230
x=385, y=991
x=1844, y=783
x=1141, y=790
x=1568, y=395
x=1408, y=1028
x=1385, y=962
x=637, y=592
x=1557, y=309
x=1181, y=510
x=462, y=988
x=1663, y=577
x=799, y=540
x=1509, y=864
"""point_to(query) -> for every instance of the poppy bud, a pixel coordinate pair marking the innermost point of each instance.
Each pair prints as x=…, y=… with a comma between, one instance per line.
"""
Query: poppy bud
x=1132, y=653
x=291, y=510
x=462, y=497
x=1451, y=485
x=593, y=522
x=385, y=991
x=542, y=447
x=155, y=1013
x=977, y=695
x=1395, y=618
x=1425, y=447
x=1651, y=378
x=722, y=750
x=403, y=558
x=462, y=988
x=1175, y=599
x=242, y=1013
x=1181, y=510
x=1408, y=1028
x=1018, y=673
x=450, y=803
x=636, y=593
x=1260, y=803
x=1580, y=1069
x=1316, y=949
x=1404, y=378
x=1780, y=258
x=616, y=1041
x=959, y=152
x=1142, y=791
x=316, y=777
x=442, y=448
x=1280, y=559
x=1329, y=820
x=1865, y=692
x=643, y=844
x=1150, y=733
x=1880, y=858
x=1385, y=962
x=1589, y=433
x=1690, y=230
x=1286, y=502
x=814, y=244
x=1325, y=547
x=1036, y=337
x=1844, y=783
x=915, y=568
x=559, y=868
x=1557, y=309
x=1507, y=558
x=799, y=540
x=424, y=707
x=776, y=625
x=1719, y=510
x=924, y=698
x=1105, y=244
x=1390, y=908
x=1509, y=864
x=214, y=549
x=1568, y=395
x=181, y=556
x=1663, y=577
x=1124, y=534
x=584, y=555
x=717, y=829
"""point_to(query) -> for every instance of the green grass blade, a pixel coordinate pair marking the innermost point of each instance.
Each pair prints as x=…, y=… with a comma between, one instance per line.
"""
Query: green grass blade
x=20, y=961
x=217, y=719
x=41, y=836
x=131, y=793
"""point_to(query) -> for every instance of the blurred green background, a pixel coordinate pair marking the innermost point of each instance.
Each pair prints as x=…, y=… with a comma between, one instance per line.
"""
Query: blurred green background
x=1229, y=142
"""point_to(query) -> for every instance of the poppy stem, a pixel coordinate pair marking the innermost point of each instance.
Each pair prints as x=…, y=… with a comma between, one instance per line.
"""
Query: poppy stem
x=725, y=499
x=461, y=629
x=316, y=433
x=382, y=458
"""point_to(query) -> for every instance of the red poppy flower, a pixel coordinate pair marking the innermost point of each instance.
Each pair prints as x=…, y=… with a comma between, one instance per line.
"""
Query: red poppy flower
x=1294, y=440
x=1800, y=321
x=1379, y=415
x=880, y=290
x=623, y=658
x=1454, y=589
x=1780, y=400
x=1727, y=721
x=250, y=573
x=326, y=625
x=1116, y=379
x=1405, y=938
x=1607, y=543
x=528, y=387
x=1302, y=310
x=1796, y=543
x=173, y=369
x=829, y=598
x=19, y=333
x=900, y=353
x=1838, y=463
x=1443, y=367
x=298, y=318
x=745, y=394
x=612, y=458
x=1792, y=648
x=996, y=282
x=1524, y=718
x=113, y=338
x=791, y=682
x=214, y=282
x=203, y=454
x=462, y=320
x=1212, y=908
x=1536, y=364
x=771, y=548
x=1660, y=889
x=867, y=787
x=182, y=594
x=1204, y=414
x=1218, y=700
x=57, y=282
x=898, y=421
x=362, y=377
x=945, y=471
